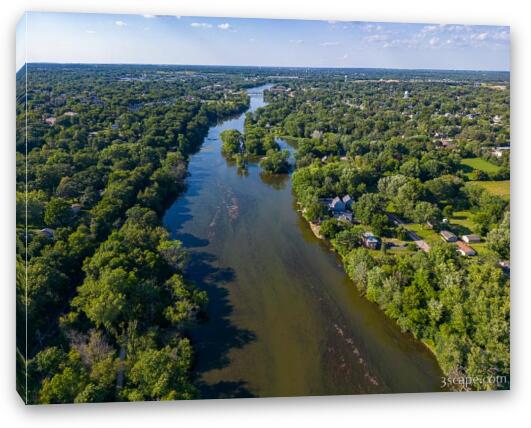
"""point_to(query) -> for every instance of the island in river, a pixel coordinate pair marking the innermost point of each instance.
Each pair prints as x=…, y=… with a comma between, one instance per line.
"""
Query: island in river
x=283, y=317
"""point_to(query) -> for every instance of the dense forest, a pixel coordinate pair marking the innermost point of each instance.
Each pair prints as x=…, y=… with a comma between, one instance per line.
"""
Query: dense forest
x=103, y=150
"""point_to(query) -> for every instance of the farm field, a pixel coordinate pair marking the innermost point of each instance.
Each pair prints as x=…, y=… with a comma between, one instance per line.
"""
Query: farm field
x=500, y=188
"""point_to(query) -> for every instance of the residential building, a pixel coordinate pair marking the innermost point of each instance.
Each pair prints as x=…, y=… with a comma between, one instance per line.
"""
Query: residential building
x=471, y=239
x=370, y=241
x=464, y=249
x=448, y=236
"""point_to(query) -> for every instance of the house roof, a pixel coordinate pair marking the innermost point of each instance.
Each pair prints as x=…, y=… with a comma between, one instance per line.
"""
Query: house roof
x=336, y=201
x=447, y=234
x=471, y=237
x=47, y=231
x=369, y=236
x=465, y=249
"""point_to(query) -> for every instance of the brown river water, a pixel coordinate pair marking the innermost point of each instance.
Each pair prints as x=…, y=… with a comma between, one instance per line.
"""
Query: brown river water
x=283, y=317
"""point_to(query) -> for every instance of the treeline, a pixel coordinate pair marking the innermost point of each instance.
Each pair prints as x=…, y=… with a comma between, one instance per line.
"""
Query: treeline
x=105, y=302
x=458, y=307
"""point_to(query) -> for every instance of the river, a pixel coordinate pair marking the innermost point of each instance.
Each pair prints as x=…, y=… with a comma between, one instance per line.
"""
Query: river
x=283, y=317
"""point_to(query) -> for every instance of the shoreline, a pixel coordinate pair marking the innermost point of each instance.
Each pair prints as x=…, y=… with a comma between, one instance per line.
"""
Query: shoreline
x=315, y=228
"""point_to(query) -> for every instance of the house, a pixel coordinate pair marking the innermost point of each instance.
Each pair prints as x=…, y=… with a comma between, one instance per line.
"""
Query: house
x=70, y=113
x=48, y=232
x=370, y=241
x=464, y=249
x=497, y=119
x=499, y=151
x=344, y=216
x=448, y=236
x=317, y=134
x=348, y=201
x=506, y=266
x=75, y=208
x=337, y=205
x=50, y=121
x=447, y=143
x=406, y=94
x=470, y=239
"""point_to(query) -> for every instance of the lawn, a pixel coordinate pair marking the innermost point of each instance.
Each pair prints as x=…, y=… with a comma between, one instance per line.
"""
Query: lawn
x=461, y=223
x=428, y=235
x=499, y=188
x=480, y=164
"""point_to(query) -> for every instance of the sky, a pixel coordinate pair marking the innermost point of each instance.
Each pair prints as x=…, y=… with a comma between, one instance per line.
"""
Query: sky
x=153, y=39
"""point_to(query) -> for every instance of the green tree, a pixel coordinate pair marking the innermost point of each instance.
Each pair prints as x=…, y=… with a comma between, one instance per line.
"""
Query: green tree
x=58, y=213
x=499, y=238
x=161, y=374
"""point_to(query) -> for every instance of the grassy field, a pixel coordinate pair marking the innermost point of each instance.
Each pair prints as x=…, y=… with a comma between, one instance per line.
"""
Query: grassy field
x=462, y=222
x=428, y=235
x=500, y=188
x=480, y=164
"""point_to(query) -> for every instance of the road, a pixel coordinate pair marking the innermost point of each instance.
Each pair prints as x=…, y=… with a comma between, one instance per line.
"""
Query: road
x=423, y=245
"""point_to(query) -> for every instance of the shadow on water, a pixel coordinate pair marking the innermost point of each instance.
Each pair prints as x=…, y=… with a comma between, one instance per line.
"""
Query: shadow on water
x=276, y=181
x=215, y=337
x=225, y=389
x=191, y=241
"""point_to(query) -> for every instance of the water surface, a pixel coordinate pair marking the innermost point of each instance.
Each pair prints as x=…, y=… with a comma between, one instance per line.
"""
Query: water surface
x=283, y=318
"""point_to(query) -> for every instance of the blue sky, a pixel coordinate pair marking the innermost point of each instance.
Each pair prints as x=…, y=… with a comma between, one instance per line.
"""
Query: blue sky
x=150, y=39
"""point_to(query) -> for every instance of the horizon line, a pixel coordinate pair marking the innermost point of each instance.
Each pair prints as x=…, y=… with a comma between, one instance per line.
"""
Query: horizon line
x=263, y=66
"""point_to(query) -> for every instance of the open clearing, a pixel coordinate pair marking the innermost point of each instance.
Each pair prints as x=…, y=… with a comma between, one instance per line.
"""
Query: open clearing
x=500, y=188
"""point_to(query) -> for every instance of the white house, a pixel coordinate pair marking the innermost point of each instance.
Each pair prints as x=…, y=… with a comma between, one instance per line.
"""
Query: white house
x=499, y=151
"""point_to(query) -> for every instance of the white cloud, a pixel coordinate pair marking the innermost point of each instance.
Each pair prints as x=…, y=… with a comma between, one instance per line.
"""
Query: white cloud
x=252, y=40
x=369, y=28
x=148, y=16
x=458, y=28
x=200, y=25
x=398, y=43
x=480, y=36
x=225, y=26
x=325, y=44
x=121, y=23
x=375, y=38
x=296, y=42
x=90, y=31
x=502, y=35
x=430, y=28
x=434, y=41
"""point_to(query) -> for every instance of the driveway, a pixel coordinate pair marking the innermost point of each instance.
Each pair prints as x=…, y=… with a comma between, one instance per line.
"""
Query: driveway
x=423, y=245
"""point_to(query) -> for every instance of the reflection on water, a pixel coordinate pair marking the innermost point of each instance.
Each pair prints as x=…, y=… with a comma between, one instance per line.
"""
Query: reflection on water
x=283, y=318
